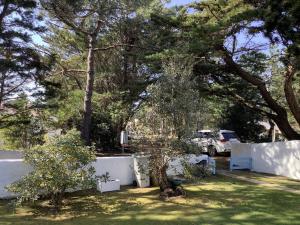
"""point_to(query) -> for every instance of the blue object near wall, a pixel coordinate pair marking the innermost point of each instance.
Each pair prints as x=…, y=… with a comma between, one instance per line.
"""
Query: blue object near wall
x=240, y=163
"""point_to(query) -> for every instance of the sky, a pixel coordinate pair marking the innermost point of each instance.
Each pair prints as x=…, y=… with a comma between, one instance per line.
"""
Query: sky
x=178, y=2
x=242, y=38
x=38, y=40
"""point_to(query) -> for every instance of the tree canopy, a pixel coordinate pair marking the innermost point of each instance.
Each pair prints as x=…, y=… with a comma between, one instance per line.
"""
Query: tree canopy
x=103, y=64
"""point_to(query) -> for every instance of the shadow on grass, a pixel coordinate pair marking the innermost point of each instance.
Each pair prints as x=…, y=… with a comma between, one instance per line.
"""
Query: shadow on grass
x=217, y=201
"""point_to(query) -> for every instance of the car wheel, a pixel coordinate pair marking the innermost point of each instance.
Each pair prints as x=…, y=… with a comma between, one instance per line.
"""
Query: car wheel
x=211, y=151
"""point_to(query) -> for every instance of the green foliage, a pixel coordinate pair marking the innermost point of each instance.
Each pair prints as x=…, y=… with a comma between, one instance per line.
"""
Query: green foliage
x=226, y=38
x=68, y=112
x=244, y=122
x=280, y=16
x=185, y=146
x=19, y=61
x=122, y=72
x=61, y=164
x=104, y=177
x=173, y=103
x=194, y=171
x=24, y=129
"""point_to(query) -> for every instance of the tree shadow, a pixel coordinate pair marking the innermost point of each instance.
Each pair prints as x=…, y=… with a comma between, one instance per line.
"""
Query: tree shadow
x=219, y=201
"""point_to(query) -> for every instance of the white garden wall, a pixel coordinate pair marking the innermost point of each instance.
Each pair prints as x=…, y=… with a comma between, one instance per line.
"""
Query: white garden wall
x=10, y=154
x=12, y=168
x=241, y=150
x=118, y=168
x=279, y=158
x=175, y=164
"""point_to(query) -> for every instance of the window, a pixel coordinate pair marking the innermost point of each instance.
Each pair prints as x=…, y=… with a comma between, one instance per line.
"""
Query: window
x=204, y=134
x=229, y=135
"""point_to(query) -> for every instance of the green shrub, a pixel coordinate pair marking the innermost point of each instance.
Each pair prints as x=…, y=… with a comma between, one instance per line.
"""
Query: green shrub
x=62, y=163
x=195, y=171
x=185, y=146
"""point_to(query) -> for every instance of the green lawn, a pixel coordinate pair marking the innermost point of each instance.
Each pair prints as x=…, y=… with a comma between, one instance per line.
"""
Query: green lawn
x=217, y=200
x=269, y=178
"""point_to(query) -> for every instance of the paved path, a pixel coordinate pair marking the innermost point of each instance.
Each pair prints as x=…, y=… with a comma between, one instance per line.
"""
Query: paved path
x=258, y=182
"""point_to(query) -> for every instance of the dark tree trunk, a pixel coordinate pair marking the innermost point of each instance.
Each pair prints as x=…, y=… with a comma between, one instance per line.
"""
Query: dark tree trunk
x=271, y=130
x=285, y=127
x=56, y=201
x=290, y=95
x=163, y=178
x=2, y=83
x=87, y=107
x=280, y=116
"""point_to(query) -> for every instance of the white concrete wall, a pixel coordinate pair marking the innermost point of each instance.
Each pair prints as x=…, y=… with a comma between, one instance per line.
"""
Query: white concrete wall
x=279, y=158
x=175, y=164
x=11, y=154
x=241, y=150
x=118, y=168
x=11, y=170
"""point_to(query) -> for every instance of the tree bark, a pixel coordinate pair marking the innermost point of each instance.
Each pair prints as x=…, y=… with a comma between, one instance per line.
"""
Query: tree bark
x=163, y=178
x=87, y=106
x=290, y=95
x=271, y=131
x=281, y=118
x=285, y=127
x=2, y=83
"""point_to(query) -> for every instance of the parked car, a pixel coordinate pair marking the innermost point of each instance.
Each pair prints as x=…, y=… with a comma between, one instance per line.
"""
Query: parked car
x=215, y=142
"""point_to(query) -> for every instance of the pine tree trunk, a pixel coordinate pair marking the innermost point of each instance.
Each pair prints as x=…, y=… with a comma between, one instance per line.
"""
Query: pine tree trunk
x=285, y=127
x=271, y=131
x=2, y=80
x=290, y=96
x=87, y=107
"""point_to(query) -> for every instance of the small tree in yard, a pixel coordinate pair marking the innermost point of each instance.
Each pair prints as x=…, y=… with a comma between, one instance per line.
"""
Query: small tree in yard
x=61, y=164
x=166, y=119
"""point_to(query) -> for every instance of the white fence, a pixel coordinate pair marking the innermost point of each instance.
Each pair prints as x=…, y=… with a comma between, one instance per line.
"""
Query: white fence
x=12, y=168
x=176, y=167
x=279, y=158
x=118, y=168
x=11, y=155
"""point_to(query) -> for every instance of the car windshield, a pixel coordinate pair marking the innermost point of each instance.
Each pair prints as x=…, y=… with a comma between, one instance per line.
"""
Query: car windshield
x=229, y=135
x=204, y=134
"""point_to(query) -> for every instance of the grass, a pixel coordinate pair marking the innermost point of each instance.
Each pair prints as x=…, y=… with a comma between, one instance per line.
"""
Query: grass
x=216, y=200
x=269, y=178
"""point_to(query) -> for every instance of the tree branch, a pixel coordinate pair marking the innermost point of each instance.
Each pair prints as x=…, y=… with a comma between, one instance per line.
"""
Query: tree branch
x=236, y=69
x=3, y=13
x=289, y=93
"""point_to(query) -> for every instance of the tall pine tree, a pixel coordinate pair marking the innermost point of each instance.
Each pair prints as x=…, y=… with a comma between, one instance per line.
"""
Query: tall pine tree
x=19, y=62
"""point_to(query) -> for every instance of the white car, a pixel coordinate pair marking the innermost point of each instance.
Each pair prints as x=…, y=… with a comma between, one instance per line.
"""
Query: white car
x=214, y=143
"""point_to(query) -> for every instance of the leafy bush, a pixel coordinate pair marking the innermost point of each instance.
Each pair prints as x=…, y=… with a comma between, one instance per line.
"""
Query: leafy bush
x=61, y=164
x=185, y=146
x=194, y=171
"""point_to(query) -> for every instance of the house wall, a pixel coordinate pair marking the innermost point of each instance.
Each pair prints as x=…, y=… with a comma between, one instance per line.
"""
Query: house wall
x=279, y=158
